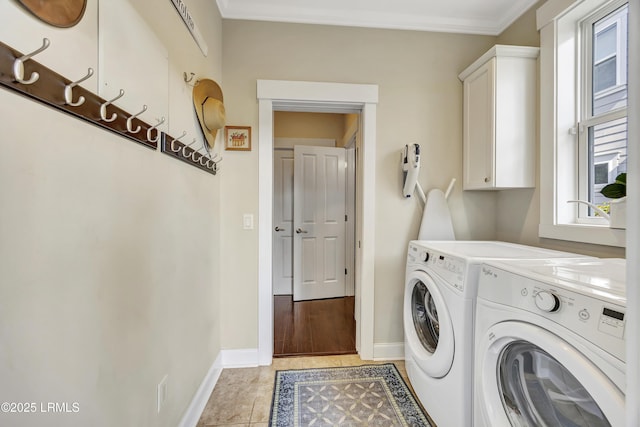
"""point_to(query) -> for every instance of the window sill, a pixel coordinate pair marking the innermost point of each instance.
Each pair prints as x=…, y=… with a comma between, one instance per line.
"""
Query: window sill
x=594, y=234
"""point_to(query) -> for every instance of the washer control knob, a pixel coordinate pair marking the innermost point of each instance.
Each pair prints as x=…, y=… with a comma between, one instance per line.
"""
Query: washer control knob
x=584, y=314
x=425, y=256
x=547, y=301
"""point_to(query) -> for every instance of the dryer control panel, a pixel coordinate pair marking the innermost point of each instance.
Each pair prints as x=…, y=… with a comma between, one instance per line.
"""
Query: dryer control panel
x=599, y=320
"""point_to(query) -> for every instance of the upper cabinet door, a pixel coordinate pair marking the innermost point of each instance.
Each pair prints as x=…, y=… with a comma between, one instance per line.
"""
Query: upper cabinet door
x=499, y=119
x=479, y=129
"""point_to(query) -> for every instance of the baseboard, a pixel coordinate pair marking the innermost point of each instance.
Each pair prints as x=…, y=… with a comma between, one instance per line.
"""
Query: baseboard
x=240, y=358
x=388, y=351
x=200, y=399
x=243, y=358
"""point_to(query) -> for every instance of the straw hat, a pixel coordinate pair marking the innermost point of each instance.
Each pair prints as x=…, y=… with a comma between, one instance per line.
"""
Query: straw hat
x=208, y=103
x=59, y=13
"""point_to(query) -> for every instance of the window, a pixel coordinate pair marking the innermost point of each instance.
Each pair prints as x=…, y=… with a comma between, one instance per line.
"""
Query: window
x=603, y=120
x=583, y=115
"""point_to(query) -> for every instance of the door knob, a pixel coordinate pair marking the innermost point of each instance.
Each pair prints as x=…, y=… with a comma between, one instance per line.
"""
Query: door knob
x=279, y=229
x=300, y=230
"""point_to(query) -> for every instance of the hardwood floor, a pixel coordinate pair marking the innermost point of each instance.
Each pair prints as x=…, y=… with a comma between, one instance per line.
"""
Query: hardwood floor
x=317, y=327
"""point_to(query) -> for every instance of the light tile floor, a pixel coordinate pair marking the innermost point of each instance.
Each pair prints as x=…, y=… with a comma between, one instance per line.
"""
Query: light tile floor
x=242, y=396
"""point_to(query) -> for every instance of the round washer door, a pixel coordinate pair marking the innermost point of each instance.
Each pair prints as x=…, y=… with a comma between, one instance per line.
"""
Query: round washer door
x=530, y=376
x=427, y=325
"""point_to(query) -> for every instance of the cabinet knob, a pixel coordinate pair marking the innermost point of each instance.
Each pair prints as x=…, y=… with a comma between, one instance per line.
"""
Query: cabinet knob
x=487, y=179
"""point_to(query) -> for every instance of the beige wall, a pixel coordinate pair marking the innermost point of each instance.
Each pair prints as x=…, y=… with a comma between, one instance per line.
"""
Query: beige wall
x=288, y=124
x=518, y=211
x=109, y=253
x=420, y=100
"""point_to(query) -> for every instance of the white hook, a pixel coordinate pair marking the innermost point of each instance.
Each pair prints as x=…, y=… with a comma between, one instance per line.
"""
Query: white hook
x=103, y=108
x=157, y=131
x=215, y=164
x=130, y=121
x=68, y=90
x=184, y=149
x=193, y=155
x=18, y=65
x=184, y=133
x=206, y=158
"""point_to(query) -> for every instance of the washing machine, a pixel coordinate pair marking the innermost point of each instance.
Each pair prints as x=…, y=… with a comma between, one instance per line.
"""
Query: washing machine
x=439, y=304
x=550, y=347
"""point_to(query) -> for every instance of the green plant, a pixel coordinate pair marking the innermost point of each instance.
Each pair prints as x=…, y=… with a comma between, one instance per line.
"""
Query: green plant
x=617, y=189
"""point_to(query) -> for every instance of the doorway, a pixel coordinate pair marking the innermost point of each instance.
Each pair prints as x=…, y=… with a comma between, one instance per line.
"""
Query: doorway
x=314, y=233
x=278, y=95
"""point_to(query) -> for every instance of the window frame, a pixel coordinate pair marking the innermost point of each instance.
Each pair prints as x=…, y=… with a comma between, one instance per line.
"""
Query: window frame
x=560, y=110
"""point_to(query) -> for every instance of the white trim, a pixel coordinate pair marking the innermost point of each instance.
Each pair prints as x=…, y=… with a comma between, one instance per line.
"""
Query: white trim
x=274, y=93
x=633, y=226
x=317, y=92
x=594, y=234
x=240, y=358
x=365, y=283
x=349, y=135
x=265, y=237
x=200, y=399
x=350, y=241
x=372, y=17
x=500, y=50
x=388, y=351
x=548, y=12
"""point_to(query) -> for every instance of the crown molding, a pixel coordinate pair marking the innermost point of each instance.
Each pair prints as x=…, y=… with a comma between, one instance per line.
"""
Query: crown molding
x=351, y=17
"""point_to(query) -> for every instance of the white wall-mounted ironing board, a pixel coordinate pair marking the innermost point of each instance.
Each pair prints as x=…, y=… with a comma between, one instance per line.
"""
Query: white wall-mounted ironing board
x=436, y=218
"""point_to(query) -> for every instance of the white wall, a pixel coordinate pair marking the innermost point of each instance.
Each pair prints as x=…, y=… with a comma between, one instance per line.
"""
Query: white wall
x=109, y=253
x=420, y=101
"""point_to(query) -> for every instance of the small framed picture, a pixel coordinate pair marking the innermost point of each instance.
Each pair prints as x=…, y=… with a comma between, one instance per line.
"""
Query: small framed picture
x=237, y=138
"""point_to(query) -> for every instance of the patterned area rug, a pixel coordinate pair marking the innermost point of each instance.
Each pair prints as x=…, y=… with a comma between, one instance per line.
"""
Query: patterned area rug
x=369, y=395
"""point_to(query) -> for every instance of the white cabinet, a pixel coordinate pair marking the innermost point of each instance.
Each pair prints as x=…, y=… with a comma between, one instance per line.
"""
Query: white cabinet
x=499, y=119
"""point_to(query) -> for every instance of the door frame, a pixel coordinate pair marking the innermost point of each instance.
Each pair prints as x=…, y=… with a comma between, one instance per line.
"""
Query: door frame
x=280, y=95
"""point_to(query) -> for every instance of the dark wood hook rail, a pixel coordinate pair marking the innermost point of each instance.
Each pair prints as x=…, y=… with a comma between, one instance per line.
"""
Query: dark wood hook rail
x=49, y=89
x=187, y=154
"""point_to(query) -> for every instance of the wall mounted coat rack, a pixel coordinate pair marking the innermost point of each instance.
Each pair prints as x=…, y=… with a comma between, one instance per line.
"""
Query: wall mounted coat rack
x=20, y=73
x=175, y=148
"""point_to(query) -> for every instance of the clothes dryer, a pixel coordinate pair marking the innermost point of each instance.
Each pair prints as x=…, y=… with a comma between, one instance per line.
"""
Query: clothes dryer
x=549, y=344
x=439, y=304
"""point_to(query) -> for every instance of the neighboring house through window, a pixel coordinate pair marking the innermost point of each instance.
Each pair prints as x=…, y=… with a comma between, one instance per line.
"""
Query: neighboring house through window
x=605, y=89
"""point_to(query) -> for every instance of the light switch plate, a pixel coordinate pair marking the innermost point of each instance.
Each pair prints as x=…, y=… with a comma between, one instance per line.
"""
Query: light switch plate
x=247, y=221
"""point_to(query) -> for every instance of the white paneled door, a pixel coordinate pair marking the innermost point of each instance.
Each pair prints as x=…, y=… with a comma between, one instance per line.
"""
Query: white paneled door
x=319, y=223
x=282, y=222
